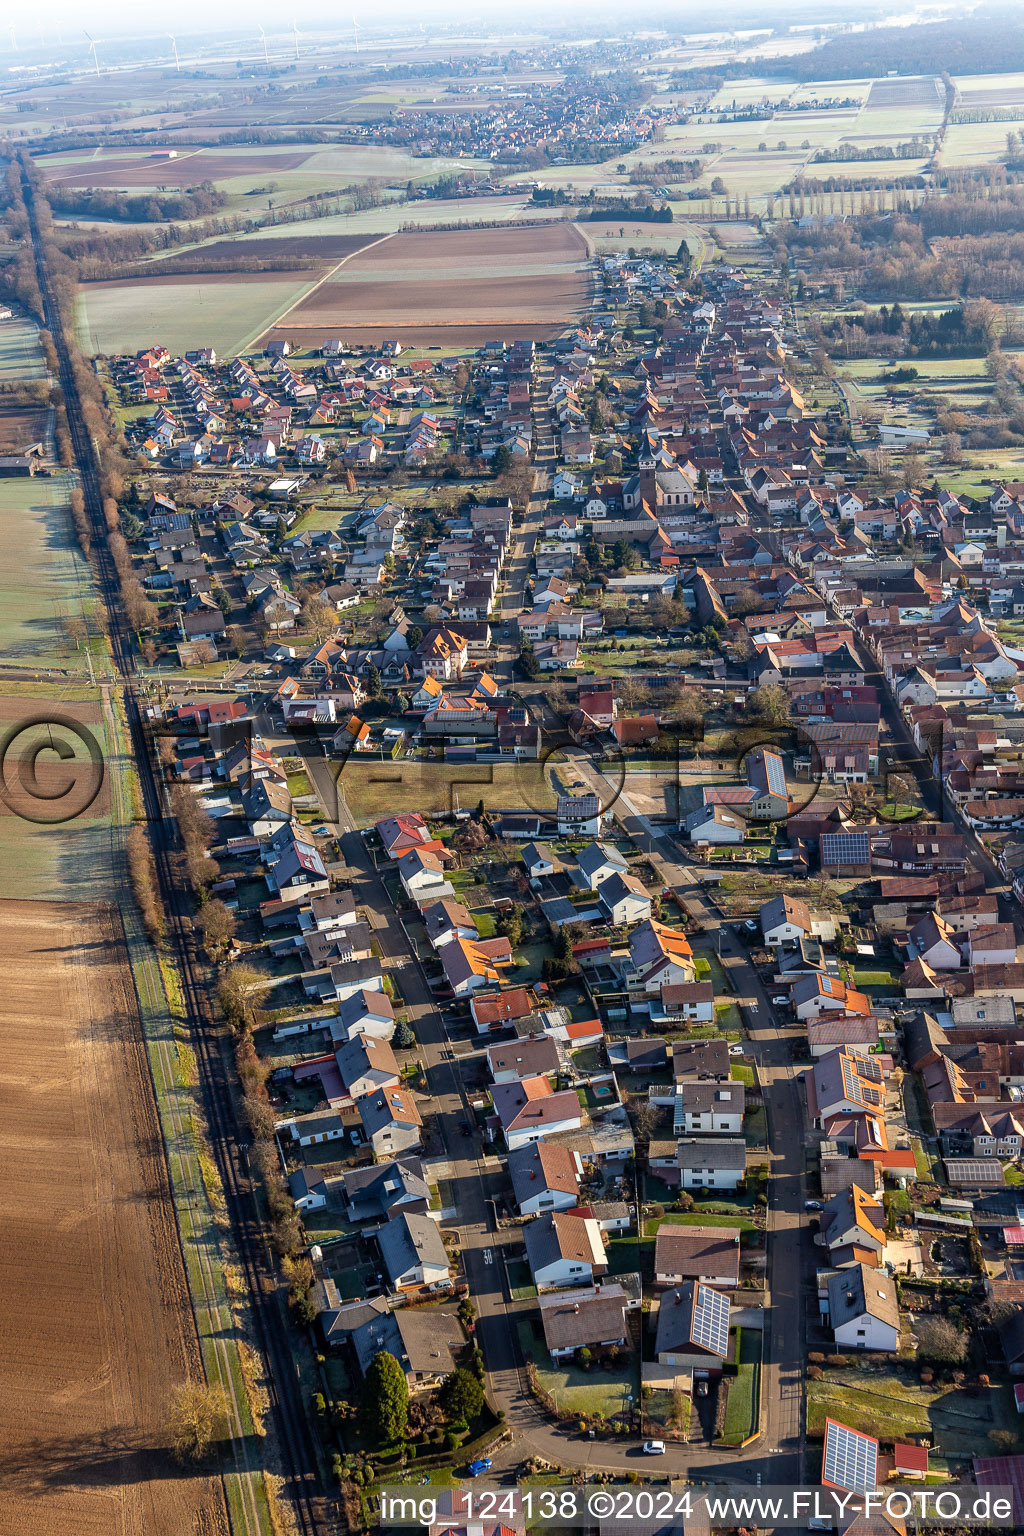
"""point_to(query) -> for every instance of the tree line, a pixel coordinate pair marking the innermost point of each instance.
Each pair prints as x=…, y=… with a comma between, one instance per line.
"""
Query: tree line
x=136, y=207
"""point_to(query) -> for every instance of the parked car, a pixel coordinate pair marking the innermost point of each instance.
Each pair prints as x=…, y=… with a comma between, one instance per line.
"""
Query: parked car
x=780, y=1000
x=654, y=1447
x=750, y=925
x=813, y=1205
x=702, y=1389
x=476, y=1467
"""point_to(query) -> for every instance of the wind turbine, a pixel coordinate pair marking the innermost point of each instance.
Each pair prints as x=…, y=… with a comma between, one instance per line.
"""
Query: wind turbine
x=355, y=29
x=263, y=39
x=92, y=50
x=295, y=37
x=14, y=42
x=174, y=45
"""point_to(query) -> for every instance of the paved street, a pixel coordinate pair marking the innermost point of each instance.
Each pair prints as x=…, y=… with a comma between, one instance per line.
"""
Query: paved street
x=473, y=1178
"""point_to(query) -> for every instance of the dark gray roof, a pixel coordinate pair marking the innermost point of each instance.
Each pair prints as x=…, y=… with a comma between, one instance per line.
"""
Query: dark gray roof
x=700, y=1097
x=409, y=1239
x=306, y=1181
x=695, y=1059
x=860, y=1291
x=722, y=1153
x=371, y=1190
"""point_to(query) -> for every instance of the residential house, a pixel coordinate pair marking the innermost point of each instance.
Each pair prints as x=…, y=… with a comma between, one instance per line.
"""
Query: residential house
x=532, y=1056
x=715, y=825
x=693, y=1329
x=787, y=920
x=579, y=815
x=538, y=860
x=703, y=1108
x=545, y=1177
x=863, y=1309
x=422, y=874
x=371, y=1192
x=853, y=1228
x=708, y=1254
x=625, y=899
x=447, y=920
x=391, y=1122
x=658, y=956
x=496, y=1010
x=594, y=1319
x=688, y=1002
x=817, y=994
x=365, y=1011
x=713, y=1163
x=531, y=1109
x=414, y=1253
x=564, y=1249
x=472, y=963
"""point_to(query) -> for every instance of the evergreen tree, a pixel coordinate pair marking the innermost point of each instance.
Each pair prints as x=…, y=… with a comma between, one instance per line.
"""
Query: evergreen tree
x=461, y=1395
x=384, y=1408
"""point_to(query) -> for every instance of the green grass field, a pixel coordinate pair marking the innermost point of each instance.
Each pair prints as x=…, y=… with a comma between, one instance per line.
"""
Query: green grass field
x=891, y=1403
x=71, y=861
x=375, y=789
x=595, y=1391
x=742, y=1407
x=20, y=355
x=230, y=315
x=42, y=573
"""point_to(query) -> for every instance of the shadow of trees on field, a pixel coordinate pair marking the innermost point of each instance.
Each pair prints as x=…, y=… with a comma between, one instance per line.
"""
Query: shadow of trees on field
x=112, y=1459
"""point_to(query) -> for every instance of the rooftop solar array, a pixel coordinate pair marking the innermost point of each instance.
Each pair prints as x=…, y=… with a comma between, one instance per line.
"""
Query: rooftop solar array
x=711, y=1320
x=850, y=1461
x=975, y=1170
x=845, y=848
x=776, y=773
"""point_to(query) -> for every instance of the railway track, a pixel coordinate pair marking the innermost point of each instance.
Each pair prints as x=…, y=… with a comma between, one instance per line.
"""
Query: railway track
x=286, y=1408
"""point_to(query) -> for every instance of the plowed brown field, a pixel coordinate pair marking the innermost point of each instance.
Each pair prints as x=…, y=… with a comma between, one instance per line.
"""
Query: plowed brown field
x=95, y=1322
x=459, y=284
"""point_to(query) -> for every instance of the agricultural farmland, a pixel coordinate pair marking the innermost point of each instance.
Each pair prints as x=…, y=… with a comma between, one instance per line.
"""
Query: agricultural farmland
x=219, y=309
x=44, y=581
x=466, y=284
x=96, y=1327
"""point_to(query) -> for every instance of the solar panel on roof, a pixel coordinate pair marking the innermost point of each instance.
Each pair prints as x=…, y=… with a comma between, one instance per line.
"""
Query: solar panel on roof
x=845, y=847
x=850, y=1461
x=776, y=773
x=967, y=1170
x=711, y=1320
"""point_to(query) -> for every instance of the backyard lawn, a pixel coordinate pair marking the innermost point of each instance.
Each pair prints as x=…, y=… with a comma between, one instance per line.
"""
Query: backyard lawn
x=626, y=1255
x=755, y=1128
x=891, y=1403
x=597, y=1391
x=520, y=1280
x=740, y=1221
x=741, y=1409
x=375, y=789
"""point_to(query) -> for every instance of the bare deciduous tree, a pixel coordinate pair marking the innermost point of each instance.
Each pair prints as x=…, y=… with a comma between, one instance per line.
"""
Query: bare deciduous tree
x=197, y=1420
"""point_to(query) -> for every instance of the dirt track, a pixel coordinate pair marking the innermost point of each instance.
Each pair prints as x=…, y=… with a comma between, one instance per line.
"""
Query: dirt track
x=95, y=1322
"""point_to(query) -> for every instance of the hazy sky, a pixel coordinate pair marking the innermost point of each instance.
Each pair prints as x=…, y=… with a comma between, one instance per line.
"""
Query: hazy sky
x=125, y=18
